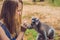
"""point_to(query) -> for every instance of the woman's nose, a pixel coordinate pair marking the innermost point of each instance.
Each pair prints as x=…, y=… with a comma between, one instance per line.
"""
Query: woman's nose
x=19, y=12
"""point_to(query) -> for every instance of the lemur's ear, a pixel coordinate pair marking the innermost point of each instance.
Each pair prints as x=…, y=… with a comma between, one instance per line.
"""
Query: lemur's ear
x=33, y=19
x=37, y=21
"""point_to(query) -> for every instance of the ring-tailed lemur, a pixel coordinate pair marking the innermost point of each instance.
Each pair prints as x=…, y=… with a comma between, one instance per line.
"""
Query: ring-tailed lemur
x=45, y=32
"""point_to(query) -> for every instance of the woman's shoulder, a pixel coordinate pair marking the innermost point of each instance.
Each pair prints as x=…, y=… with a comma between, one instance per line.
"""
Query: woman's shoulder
x=2, y=34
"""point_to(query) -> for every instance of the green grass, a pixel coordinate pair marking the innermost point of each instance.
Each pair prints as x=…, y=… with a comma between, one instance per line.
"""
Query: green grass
x=57, y=36
x=33, y=35
x=55, y=3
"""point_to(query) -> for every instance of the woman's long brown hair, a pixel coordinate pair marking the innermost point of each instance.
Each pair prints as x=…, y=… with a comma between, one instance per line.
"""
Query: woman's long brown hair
x=8, y=13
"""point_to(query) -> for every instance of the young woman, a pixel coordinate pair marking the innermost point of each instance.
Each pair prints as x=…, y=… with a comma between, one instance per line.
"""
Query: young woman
x=10, y=20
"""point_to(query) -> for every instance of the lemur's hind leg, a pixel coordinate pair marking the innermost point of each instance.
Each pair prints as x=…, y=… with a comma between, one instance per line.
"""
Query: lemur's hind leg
x=39, y=37
x=51, y=35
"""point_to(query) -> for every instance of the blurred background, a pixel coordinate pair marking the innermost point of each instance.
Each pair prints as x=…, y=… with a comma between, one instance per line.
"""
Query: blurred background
x=48, y=11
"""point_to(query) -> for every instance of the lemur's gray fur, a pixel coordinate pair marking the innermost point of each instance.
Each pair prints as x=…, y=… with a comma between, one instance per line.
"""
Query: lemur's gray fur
x=45, y=32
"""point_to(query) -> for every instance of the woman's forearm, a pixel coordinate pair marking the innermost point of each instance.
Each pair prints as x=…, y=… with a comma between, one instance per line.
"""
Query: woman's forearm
x=20, y=36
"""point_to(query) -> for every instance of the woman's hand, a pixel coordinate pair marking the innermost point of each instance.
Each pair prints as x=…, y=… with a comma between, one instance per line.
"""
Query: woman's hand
x=24, y=27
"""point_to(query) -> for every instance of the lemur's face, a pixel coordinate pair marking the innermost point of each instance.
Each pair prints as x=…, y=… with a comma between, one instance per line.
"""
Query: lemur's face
x=34, y=23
